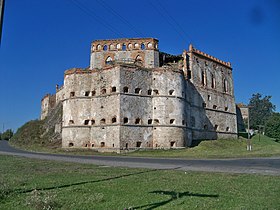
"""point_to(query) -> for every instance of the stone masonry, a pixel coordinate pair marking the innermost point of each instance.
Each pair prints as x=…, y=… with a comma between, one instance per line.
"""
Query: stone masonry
x=126, y=100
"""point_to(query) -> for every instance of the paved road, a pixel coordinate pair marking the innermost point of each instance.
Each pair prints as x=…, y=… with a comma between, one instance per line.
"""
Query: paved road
x=267, y=166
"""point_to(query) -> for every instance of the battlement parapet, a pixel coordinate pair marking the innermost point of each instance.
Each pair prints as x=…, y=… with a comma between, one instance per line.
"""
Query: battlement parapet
x=194, y=50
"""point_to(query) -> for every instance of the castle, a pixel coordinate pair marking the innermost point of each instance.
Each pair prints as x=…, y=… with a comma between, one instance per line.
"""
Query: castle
x=133, y=96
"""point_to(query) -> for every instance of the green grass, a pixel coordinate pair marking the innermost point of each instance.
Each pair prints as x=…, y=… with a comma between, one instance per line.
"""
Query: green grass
x=37, y=184
x=230, y=148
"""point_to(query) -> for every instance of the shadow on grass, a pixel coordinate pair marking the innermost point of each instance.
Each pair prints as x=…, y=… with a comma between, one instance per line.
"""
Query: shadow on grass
x=18, y=191
x=173, y=196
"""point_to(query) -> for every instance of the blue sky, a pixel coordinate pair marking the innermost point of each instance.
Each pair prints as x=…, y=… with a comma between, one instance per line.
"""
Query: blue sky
x=43, y=38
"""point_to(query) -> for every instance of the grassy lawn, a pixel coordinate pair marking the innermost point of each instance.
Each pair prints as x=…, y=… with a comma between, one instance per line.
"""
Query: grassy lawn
x=233, y=148
x=37, y=184
x=230, y=148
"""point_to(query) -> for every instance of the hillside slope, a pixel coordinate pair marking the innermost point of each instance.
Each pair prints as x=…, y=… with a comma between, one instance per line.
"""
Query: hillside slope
x=45, y=132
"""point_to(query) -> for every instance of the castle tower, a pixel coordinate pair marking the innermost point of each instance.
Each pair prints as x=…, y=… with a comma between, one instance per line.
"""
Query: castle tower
x=142, y=51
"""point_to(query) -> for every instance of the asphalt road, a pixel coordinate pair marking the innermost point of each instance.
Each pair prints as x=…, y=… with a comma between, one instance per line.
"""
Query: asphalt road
x=266, y=166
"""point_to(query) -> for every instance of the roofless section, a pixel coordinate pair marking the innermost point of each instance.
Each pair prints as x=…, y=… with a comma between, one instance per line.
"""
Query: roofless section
x=140, y=51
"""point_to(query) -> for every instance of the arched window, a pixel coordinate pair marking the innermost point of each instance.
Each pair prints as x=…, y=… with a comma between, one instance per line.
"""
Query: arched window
x=150, y=45
x=123, y=47
x=138, y=59
x=129, y=46
x=114, y=120
x=108, y=60
x=171, y=92
x=103, y=91
x=105, y=47
x=142, y=46
x=112, y=47
x=98, y=47
x=102, y=121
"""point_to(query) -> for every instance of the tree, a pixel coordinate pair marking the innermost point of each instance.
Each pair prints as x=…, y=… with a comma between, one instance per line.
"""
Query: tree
x=272, y=127
x=7, y=134
x=261, y=109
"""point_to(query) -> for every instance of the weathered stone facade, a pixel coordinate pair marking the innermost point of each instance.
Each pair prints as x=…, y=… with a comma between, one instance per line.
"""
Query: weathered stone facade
x=125, y=100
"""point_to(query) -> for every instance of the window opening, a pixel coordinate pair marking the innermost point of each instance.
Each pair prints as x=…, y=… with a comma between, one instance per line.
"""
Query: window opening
x=216, y=127
x=123, y=47
x=171, y=92
x=102, y=144
x=87, y=93
x=138, y=144
x=172, y=121
x=86, y=122
x=102, y=121
x=114, y=89
x=137, y=121
x=125, y=89
x=114, y=119
x=103, y=91
x=108, y=60
x=125, y=120
x=138, y=90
